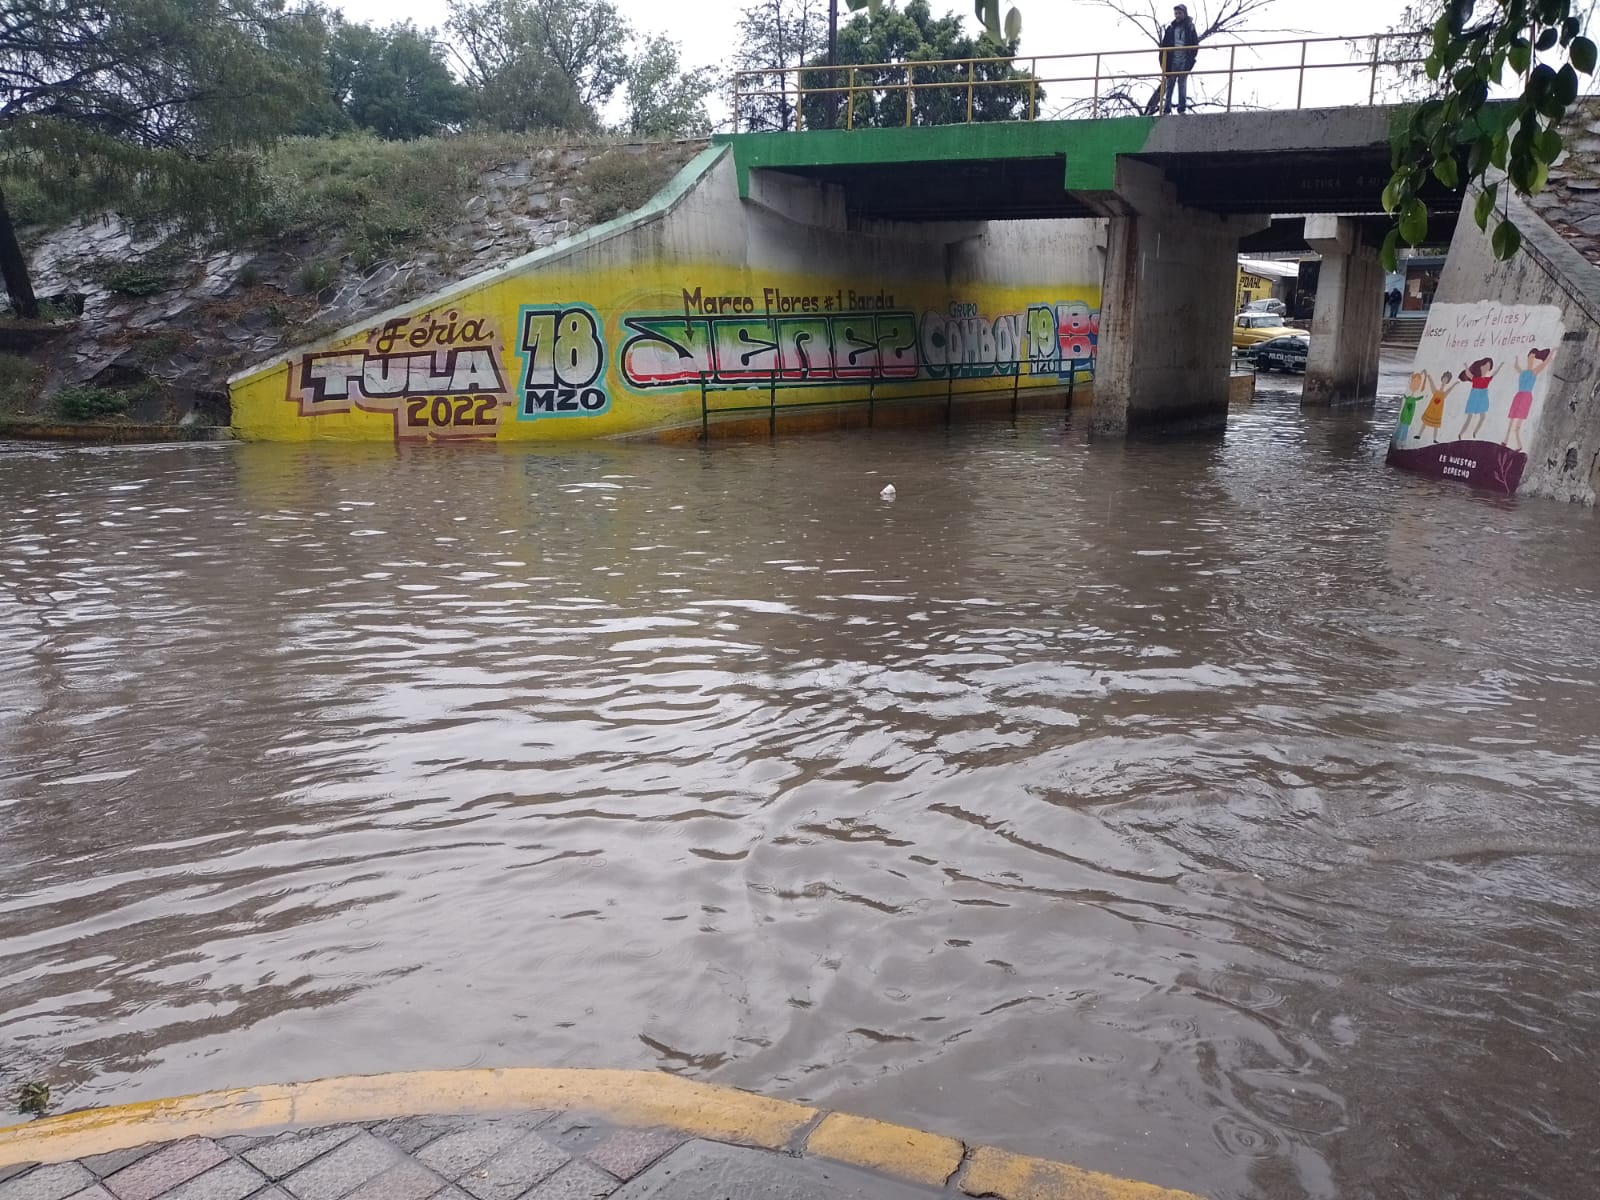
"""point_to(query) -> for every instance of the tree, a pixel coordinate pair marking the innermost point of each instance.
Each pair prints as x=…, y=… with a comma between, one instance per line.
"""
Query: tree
x=540, y=63
x=664, y=100
x=1458, y=135
x=913, y=35
x=987, y=12
x=775, y=36
x=1401, y=55
x=393, y=81
x=159, y=99
x=1127, y=93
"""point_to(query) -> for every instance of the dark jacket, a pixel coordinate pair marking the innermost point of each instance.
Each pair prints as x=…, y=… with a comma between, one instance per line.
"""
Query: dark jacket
x=1178, y=44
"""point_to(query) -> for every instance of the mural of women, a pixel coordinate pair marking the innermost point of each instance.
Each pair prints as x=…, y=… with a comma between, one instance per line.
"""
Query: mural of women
x=1493, y=339
x=1528, y=372
x=1433, y=415
x=1481, y=373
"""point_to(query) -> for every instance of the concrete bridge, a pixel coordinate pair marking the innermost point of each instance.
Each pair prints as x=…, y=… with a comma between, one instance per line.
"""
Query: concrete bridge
x=818, y=270
x=1181, y=195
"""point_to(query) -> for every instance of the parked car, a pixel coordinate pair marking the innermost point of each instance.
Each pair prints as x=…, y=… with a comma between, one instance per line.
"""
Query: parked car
x=1269, y=305
x=1280, y=353
x=1252, y=328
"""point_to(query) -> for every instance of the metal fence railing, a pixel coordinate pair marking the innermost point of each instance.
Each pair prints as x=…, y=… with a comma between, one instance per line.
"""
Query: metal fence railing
x=1278, y=74
x=881, y=390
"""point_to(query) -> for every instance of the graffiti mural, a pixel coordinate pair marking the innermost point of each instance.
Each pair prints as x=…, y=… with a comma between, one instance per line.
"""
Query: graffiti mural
x=436, y=376
x=598, y=356
x=1476, y=392
x=563, y=354
x=674, y=351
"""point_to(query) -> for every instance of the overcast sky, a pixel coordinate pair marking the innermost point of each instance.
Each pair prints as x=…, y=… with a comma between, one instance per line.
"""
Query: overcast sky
x=705, y=29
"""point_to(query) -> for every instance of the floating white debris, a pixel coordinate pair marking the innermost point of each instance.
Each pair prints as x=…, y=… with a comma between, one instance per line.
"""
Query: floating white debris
x=888, y=492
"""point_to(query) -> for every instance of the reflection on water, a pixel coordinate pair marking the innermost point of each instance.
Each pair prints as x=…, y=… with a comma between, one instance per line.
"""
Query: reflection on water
x=1220, y=814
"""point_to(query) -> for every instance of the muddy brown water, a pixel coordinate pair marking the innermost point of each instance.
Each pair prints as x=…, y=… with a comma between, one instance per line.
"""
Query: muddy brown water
x=1222, y=814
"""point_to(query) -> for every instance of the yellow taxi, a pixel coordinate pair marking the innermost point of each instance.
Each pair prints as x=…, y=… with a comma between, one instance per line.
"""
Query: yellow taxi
x=1252, y=327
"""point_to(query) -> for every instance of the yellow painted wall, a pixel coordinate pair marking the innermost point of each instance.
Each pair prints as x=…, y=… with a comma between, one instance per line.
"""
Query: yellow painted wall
x=558, y=352
x=1252, y=287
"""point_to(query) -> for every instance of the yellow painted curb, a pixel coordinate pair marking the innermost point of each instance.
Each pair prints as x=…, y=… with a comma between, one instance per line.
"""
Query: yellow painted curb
x=625, y=1097
x=628, y=1098
x=1015, y=1177
x=892, y=1149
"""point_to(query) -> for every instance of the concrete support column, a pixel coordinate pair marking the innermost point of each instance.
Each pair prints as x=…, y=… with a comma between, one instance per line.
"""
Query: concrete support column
x=1166, y=309
x=1347, y=326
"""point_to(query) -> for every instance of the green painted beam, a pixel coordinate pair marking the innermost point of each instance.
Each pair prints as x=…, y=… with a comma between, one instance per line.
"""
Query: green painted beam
x=1089, y=147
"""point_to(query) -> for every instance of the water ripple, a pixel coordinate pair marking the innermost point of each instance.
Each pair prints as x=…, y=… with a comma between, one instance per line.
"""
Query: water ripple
x=1219, y=813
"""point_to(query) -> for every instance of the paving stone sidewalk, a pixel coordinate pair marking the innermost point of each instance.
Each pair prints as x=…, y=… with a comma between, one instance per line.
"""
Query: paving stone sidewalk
x=529, y=1156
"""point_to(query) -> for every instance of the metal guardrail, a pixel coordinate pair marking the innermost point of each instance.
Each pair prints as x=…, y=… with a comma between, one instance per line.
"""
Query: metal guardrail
x=777, y=381
x=1109, y=91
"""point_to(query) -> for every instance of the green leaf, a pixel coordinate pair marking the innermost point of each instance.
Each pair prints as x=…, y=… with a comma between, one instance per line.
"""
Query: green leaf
x=1566, y=88
x=1447, y=172
x=1519, y=56
x=1495, y=121
x=1538, y=175
x=1547, y=40
x=1478, y=159
x=1571, y=28
x=988, y=11
x=1013, y=25
x=1547, y=146
x=1414, y=221
x=1582, y=54
x=1506, y=240
x=1484, y=206
x=1391, y=251
x=1458, y=13
x=1497, y=156
x=1391, y=194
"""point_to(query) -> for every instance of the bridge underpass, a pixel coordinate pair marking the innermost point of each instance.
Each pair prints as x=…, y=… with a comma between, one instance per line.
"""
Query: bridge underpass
x=1180, y=195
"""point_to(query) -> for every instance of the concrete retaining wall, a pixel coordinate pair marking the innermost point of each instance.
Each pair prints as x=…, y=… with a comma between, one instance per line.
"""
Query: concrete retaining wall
x=1563, y=445
x=611, y=333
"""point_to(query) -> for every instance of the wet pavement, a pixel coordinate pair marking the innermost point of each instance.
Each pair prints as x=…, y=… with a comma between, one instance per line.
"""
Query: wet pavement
x=1220, y=814
x=540, y=1156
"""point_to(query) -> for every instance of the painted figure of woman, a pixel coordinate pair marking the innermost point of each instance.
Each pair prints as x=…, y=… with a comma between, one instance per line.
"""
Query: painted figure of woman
x=1481, y=373
x=1528, y=372
x=1433, y=415
x=1408, y=405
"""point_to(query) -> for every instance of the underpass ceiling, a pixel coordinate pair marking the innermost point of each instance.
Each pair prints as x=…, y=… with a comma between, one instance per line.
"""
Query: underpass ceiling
x=1343, y=181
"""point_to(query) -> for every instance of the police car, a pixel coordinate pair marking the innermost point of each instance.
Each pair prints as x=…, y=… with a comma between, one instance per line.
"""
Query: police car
x=1280, y=353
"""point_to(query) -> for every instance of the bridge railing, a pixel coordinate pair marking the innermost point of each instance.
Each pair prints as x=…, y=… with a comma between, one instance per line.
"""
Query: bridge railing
x=1319, y=72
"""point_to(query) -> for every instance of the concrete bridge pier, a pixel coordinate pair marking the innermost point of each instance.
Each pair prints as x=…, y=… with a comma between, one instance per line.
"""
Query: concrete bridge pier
x=1347, y=326
x=1166, y=308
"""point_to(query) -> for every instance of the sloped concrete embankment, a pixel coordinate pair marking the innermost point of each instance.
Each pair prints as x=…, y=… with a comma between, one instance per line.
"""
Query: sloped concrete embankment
x=622, y=329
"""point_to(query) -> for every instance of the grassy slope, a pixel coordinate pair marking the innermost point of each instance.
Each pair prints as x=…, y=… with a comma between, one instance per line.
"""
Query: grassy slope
x=359, y=197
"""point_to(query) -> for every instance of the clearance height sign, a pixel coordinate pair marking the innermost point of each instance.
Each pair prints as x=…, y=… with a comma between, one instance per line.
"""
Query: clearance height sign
x=558, y=356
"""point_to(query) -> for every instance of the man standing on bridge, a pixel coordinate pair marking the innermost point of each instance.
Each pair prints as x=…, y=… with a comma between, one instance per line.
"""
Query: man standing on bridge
x=1178, y=43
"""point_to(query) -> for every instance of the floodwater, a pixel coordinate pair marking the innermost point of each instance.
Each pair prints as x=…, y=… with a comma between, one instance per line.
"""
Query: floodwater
x=1224, y=814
